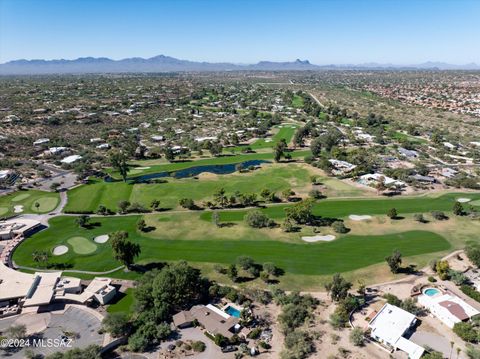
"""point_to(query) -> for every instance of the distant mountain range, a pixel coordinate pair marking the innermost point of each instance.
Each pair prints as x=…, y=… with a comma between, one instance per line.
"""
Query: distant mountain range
x=164, y=63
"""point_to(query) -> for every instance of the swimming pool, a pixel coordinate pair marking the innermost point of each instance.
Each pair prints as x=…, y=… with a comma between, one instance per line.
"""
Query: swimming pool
x=234, y=312
x=431, y=292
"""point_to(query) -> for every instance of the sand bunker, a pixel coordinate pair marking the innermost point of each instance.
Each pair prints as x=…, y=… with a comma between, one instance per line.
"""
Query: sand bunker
x=464, y=200
x=18, y=209
x=356, y=217
x=142, y=168
x=101, y=239
x=326, y=238
x=59, y=250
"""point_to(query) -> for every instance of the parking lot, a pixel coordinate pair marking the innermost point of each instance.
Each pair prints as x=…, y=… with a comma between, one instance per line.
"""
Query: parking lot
x=57, y=331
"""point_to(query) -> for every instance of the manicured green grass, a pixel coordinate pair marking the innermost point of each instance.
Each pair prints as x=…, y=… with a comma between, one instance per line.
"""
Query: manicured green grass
x=161, y=165
x=297, y=101
x=345, y=254
x=403, y=136
x=45, y=204
x=125, y=304
x=82, y=245
x=48, y=201
x=339, y=208
x=285, y=131
x=97, y=192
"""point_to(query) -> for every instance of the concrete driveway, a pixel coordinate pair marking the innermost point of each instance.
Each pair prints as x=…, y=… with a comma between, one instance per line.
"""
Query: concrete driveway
x=436, y=342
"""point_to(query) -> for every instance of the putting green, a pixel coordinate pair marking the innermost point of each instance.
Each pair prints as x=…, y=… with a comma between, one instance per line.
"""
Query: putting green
x=82, y=245
x=20, y=197
x=47, y=204
x=3, y=210
x=475, y=203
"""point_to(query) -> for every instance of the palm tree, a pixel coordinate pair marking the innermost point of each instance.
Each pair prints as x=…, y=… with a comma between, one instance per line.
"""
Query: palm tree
x=458, y=352
x=451, y=349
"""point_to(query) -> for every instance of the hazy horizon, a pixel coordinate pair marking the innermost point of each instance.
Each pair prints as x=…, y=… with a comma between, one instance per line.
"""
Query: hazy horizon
x=324, y=32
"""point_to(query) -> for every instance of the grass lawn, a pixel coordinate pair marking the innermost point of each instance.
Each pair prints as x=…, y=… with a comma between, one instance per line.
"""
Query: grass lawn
x=340, y=208
x=286, y=131
x=347, y=253
x=275, y=177
x=297, y=101
x=155, y=166
x=97, y=192
x=48, y=201
x=124, y=304
x=403, y=136
x=82, y=245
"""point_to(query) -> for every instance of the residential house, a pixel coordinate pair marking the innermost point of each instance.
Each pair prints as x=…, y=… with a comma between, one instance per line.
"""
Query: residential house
x=390, y=326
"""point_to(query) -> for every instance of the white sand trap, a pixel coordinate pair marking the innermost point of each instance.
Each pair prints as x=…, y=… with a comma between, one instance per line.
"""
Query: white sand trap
x=268, y=140
x=464, y=200
x=101, y=239
x=142, y=168
x=356, y=217
x=327, y=238
x=59, y=250
x=18, y=209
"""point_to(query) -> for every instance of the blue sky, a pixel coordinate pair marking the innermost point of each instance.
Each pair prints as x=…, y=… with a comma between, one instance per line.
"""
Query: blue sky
x=247, y=31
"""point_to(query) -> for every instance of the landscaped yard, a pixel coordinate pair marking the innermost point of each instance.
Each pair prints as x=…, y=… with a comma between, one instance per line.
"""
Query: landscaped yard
x=24, y=202
x=124, y=304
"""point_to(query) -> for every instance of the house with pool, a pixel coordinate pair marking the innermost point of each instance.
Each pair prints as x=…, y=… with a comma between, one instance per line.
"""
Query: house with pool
x=214, y=320
x=446, y=307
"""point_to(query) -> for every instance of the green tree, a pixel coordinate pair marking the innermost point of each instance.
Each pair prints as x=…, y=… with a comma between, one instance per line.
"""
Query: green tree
x=82, y=221
x=123, y=250
x=155, y=204
x=232, y=272
x=316, y=147
x=442, y=268
x=187, y=203
x=392, y=213
x=458, y=209
x=169, y=154
x=116, y=324
x=419, y=218
x=141, y=225
x=220, y=198
x=357, y=337
x=40, y=257
x=279, y=149
x=270, y=268
x=394, y=261
x=300, y=212
x=339, y=227
x=118, y=160
x=245, y=262
x=338, y=287
x=123, y=206
x=466, y=332
x=258, y=219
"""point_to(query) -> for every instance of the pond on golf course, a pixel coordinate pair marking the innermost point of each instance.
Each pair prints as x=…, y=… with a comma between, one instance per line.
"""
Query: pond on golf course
x=195, y=171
